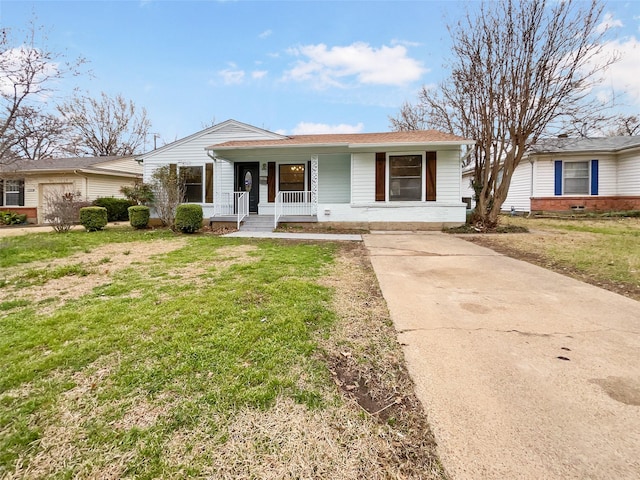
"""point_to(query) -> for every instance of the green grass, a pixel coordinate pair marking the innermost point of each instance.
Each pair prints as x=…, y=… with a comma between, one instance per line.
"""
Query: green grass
x=42, y=246
x=606, y=251
x=192, y=337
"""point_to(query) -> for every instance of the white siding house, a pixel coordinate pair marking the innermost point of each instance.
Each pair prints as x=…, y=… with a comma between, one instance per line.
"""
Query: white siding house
x=381, y=180
x=190, y=152
x=576, y=174
x=376, y=180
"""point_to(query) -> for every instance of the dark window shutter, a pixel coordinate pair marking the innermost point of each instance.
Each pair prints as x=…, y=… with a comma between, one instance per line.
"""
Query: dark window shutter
x=21, y=193
x=208, y=192
x=271, y=181
x=557, y=165
x=594, y=177
x=381, y=170
x=1, y=192
x=430, y=178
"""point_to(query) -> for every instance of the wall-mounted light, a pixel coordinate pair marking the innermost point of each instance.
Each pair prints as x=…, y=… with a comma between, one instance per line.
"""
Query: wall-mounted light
x=264, y=166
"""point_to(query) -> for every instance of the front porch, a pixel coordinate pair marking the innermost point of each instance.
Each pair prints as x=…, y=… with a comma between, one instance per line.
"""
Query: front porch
x=288, y=207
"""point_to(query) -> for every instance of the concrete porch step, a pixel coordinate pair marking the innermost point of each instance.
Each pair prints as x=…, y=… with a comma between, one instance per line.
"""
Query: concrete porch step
x=257, y=223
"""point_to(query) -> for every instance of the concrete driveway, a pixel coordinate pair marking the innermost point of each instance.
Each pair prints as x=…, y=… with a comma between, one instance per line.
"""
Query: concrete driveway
x=523, y=373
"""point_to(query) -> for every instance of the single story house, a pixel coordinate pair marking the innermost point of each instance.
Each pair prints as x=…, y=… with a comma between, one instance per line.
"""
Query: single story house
x=25, y=185
x=575, y=174
x=377, y=180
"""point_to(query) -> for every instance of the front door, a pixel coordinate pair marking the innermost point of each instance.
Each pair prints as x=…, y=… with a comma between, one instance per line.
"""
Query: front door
x=248, y=180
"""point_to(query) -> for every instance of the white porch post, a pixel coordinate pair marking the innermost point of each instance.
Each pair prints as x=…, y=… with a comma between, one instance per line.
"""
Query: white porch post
x=314, y=184
x=216, y=188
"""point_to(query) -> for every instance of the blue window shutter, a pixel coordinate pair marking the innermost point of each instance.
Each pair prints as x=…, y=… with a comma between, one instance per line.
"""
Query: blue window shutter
x=558, y=177
x=594, y=177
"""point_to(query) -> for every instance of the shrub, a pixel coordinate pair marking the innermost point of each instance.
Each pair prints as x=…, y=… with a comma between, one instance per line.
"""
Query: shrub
x=11, y=218
x=139, y=193
x=62, y=209
x=188, y=218
x=116, y=208
x=139, y=216
x=93, y=218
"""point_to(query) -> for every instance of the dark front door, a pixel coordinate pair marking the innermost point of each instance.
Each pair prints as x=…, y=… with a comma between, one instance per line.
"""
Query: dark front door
x=248, y=180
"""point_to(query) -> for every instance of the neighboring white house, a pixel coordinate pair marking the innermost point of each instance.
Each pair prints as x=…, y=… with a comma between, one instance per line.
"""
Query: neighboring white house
x=379, y=180
x=26, y=185
x=575, y=174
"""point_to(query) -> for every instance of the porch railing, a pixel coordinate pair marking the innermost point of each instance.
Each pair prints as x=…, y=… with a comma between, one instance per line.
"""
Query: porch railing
x=293, y=204
x=232, y=204
x=242, y=203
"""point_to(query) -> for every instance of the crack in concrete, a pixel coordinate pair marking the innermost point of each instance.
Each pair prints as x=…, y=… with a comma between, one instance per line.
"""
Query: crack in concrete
x=415, y=253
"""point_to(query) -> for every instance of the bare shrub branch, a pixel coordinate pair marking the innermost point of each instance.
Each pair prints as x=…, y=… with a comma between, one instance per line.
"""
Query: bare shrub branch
x=168, y=192
x=62, y=209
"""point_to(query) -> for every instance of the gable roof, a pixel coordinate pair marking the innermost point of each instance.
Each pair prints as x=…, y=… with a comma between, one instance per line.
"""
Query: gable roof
x=207, y=131
x=584, y=145
x=68, y=164
x=414, y=137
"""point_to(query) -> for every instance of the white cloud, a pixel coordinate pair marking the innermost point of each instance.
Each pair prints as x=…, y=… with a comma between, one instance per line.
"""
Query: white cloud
x=231, y=76
x=406, y=43
x=14, y=63
x=608, y=22
x=623, y=75
x=258, y=74
x=309, y=128
x=265, y=34
x=336, y=66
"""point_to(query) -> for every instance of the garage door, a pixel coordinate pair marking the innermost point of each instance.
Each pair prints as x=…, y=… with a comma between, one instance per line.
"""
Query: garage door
x=48, y=193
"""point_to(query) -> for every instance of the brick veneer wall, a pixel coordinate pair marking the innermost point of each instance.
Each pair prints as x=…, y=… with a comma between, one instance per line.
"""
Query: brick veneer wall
x=30, y=212
x=593, y=204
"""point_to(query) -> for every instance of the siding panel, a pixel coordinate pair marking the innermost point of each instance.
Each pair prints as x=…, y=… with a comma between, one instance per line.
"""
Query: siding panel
x=629, y=176
x=334, y=178
x=519, y=189
x=363, y=178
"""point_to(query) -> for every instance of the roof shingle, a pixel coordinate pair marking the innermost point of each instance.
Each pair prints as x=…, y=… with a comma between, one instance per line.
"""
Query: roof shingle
x=409, y=137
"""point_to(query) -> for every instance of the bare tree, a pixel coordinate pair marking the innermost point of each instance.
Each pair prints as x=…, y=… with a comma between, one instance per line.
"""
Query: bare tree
x=624, y=125
x=39, y=135
x=29, y=71
x=105, y=126
x=518, y=68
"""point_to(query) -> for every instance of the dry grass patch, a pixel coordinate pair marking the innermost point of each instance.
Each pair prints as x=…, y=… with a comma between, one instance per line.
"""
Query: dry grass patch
x=96, y=269
x=603, y=252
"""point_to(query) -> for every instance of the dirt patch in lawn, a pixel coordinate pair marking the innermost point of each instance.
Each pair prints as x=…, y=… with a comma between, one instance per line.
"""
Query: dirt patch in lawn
x=367, y=364
x=96, y=269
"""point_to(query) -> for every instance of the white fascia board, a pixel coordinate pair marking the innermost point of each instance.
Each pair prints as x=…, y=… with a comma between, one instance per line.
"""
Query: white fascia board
x=411, y=144
x=58, y=171
x=349, y=146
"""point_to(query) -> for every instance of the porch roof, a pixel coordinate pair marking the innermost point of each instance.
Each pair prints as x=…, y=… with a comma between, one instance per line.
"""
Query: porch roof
x=350, y=140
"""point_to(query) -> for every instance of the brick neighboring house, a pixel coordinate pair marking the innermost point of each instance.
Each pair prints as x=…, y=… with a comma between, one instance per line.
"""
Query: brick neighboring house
x=575, y=174
x=25, y=185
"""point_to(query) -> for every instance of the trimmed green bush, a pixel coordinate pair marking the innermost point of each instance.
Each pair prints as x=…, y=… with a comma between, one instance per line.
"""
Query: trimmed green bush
x=11, y=218
x=139, y=216
x=116, y=208
x=188, y=218
x=93, y=218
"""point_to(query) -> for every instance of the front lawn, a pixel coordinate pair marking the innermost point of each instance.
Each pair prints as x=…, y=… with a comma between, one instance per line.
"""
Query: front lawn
x=601, y=251
x=129, y=354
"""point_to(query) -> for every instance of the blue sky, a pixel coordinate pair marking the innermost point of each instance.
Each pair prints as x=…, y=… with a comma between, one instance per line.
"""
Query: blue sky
x=291, y=67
